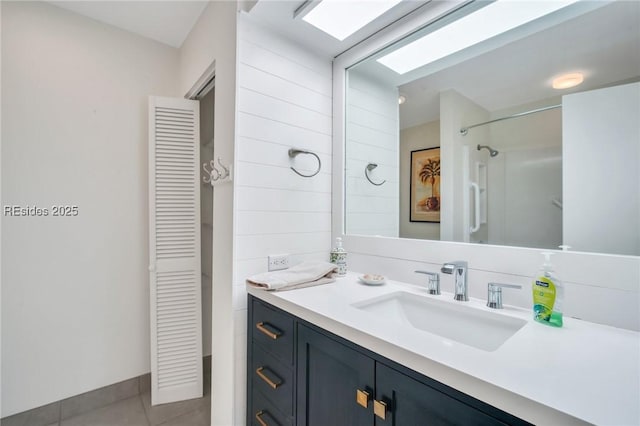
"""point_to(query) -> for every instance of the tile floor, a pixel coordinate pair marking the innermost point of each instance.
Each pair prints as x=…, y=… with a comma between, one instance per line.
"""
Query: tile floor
x=137, y=411
x=124, y=404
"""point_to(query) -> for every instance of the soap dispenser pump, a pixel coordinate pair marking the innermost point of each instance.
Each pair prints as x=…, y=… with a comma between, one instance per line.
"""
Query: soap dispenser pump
x=339, y=257
x=548, y=294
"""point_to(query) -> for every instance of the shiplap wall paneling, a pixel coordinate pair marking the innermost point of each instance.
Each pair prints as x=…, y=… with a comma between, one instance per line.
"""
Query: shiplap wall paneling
x=284, y=101
x=372, y=136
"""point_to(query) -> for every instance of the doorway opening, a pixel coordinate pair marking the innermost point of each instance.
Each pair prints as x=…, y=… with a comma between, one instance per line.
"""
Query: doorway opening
x=207, y=109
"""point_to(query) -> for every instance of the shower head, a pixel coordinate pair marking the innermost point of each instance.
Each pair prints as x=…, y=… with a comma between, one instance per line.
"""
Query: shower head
x=492, y=152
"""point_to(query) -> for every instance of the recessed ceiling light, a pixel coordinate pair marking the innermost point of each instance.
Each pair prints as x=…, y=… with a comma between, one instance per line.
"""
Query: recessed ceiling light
x=402, y=99
x=483, y=24
x=566, y=81
x=341, y=18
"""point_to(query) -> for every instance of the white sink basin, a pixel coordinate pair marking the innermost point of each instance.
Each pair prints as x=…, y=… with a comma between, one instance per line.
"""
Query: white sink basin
x=454, y=321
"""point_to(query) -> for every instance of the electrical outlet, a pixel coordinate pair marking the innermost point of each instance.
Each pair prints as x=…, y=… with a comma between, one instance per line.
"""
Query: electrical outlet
x=278, y=261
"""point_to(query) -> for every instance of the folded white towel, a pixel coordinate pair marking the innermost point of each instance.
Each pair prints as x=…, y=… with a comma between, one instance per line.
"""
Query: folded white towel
x=305, y=274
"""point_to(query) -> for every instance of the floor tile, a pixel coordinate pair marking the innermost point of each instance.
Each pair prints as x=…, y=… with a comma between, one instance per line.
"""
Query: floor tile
x=40, y=416
x=199, y=417
x=145, y=383
x=158, y=414
x=128, y=412
x=99, y=398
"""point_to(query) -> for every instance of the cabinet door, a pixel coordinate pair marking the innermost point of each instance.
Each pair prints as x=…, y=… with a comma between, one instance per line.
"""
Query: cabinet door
x=413, y=403
x=330, y=375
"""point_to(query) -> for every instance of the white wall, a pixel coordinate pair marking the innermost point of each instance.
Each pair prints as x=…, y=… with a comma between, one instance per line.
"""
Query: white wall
x=532, y=180
x=284, y=100
x=525, y=176
x=212, y=41
x=457, y=111
x=601, y=176
x=75, y=313
x=372, y=137
x=414, y=138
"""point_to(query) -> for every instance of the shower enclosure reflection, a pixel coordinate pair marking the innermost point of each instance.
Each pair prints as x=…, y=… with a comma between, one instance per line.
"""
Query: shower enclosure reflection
x=520, y=159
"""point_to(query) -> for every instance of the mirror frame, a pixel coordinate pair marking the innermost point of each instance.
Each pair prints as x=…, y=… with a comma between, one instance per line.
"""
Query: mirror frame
x=601, y=270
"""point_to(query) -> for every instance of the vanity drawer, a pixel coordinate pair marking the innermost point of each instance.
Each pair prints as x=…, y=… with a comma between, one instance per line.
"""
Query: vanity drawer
x=263, y=410
x=273, y=379
x=273, y=330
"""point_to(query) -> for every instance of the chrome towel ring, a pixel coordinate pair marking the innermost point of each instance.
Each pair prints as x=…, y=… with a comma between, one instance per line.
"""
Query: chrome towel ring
x=367, y=169
x=293, y=152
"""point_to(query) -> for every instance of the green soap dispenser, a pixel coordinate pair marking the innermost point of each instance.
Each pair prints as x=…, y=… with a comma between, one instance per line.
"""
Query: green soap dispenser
x=548, y=294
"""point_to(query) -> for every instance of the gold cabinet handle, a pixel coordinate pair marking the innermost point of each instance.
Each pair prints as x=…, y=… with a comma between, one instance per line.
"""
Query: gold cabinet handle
x=273, y=334
x=271, y=383
x=362, y=398
x=380, y=409
x=259, y=415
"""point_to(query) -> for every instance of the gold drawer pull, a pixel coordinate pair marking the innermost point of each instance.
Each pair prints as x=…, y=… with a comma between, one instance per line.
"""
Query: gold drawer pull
x=273, y=334
x=380, y=409
x=259, y=415
x=267, y=380
x=362, y=398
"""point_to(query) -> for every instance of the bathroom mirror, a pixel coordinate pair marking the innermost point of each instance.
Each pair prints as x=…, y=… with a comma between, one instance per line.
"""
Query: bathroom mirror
x=518, y=162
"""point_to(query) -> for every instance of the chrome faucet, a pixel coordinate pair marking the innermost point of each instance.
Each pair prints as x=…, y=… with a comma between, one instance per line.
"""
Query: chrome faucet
x=459, y=271
x=433, y=285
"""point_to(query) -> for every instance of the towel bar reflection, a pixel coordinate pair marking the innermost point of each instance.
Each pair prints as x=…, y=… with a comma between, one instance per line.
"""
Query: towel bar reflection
x=367, y=169
x=293, y=152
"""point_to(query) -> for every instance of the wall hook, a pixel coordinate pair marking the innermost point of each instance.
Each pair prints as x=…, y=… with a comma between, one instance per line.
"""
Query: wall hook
x=216, y=176
x=208, y=174
x=225, y=170
x=367, y=169
x=293, y=152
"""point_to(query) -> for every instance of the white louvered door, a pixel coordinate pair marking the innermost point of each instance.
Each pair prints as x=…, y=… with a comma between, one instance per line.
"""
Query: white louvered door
x=174, y=250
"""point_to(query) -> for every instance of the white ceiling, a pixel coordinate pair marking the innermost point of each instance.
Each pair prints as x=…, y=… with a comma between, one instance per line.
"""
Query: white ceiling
x=604, y=44
x=168, y=22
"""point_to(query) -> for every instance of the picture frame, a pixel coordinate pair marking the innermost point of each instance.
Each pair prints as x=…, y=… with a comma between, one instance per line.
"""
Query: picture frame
x=424, y=183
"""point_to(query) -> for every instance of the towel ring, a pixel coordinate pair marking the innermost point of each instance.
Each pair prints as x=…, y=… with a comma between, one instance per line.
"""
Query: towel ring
x=367, y=169
x=293, y=152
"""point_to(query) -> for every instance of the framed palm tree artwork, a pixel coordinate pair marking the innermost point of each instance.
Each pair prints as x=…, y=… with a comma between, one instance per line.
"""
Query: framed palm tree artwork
x=425, y=186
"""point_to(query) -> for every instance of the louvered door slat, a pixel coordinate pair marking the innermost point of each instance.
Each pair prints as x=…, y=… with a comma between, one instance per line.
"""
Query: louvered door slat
x=174, y=208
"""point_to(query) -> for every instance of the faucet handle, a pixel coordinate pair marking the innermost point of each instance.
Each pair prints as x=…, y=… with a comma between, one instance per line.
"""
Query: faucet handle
x=494, y=294
x=433, y=285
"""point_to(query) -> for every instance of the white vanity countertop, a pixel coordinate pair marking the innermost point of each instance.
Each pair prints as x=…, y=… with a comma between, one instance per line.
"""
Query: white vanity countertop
x=582, y=372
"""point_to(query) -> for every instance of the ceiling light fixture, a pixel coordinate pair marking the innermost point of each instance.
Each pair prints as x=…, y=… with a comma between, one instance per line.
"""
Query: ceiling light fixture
x=566, y=81
x=483, y=24
x=340, y=18
x=402, y=99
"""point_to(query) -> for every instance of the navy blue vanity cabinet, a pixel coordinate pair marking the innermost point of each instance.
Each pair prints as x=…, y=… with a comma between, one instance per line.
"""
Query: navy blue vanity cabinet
x=270, y=362
x=335, y=382
x=402, y=400
x=325, y=380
